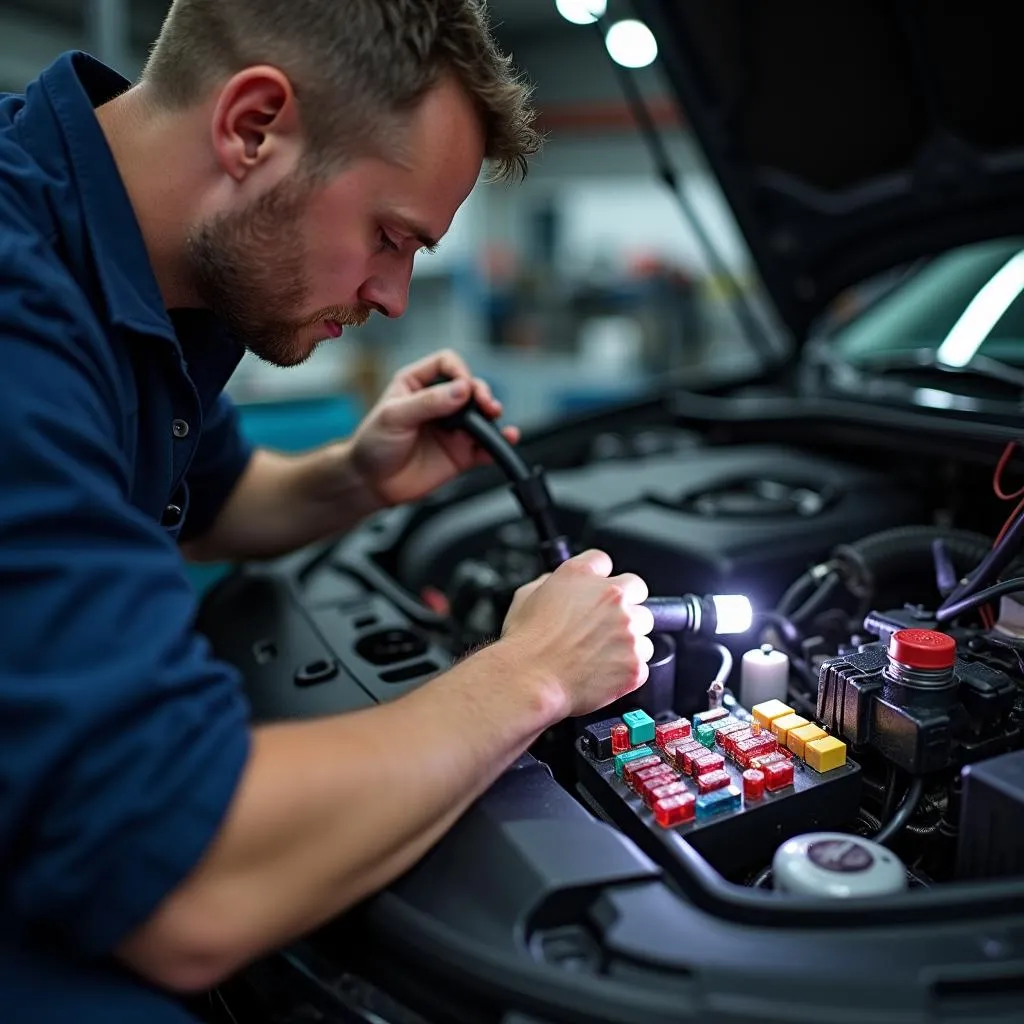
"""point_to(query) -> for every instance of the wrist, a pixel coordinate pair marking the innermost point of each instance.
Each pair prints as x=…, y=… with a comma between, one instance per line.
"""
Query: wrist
x=536, y=680
x=352, y=486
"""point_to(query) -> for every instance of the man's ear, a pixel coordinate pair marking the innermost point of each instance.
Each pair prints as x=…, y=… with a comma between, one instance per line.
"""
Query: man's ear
x=256, y=123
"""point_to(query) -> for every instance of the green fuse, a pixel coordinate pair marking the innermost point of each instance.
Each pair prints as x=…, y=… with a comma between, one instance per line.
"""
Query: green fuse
x=621, y=760
x=641, y=727
x=706, y=735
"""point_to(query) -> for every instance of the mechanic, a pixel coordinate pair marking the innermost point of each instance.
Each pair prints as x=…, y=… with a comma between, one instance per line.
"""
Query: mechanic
x=266, y=184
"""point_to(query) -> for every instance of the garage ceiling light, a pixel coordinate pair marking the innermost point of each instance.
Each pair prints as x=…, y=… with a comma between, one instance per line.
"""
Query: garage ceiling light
x=631, y=44
x=581, y=12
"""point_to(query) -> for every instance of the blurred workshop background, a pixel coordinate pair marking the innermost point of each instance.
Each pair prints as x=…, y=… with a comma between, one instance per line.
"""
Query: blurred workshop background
x=581, y=287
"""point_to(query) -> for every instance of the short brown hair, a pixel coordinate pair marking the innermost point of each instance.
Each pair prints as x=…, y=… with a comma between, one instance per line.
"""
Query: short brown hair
x=357, y=66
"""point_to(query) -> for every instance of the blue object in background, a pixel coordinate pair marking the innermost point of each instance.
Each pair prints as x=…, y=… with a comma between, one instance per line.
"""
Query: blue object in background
x=584, y=400
x=293, y=426
x=297, y=426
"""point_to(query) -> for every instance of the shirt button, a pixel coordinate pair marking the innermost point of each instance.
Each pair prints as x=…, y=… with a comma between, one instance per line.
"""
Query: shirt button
x=180, y=429
x=172, y=515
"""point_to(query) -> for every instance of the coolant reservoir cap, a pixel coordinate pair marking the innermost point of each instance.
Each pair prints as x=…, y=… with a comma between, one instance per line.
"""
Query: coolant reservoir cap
x=922, y=649
x=837, y=866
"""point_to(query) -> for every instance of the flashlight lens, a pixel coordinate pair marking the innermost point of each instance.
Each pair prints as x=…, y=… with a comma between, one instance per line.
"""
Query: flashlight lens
x=733, y=613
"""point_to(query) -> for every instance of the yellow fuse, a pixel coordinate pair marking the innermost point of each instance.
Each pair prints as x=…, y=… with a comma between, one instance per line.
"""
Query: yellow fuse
x=825, y=754
x=766, y=713
x=782, y=726
x=799, y=738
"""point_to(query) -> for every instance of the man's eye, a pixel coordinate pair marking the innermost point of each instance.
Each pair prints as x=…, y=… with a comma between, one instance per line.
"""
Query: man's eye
x=386, y=244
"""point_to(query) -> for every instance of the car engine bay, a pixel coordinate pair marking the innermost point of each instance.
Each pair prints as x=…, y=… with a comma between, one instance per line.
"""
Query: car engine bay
x=852, y=760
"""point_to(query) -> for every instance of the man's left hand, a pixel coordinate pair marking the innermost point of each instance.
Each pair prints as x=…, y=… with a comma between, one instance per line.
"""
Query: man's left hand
x=398, y=451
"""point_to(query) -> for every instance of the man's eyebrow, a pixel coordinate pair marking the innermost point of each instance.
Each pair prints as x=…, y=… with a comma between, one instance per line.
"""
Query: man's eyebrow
x=420, y=234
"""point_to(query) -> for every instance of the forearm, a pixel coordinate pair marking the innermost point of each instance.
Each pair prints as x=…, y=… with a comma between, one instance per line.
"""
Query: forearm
x=284, y=502
x=331, y=810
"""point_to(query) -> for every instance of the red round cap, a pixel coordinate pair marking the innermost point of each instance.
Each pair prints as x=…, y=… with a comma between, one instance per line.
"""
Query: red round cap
x=922, y=648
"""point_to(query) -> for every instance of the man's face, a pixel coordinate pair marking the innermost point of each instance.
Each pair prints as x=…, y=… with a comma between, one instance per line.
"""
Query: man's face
x=302, y=261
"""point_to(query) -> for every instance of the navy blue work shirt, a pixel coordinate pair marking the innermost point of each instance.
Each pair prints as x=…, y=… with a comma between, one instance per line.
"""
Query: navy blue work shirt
x=122, y=740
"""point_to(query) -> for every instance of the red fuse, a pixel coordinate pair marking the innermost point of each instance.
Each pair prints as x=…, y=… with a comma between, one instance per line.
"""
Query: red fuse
x=754, y=747
x=753, y=784
x=630, y=768
x=651, y=771
x=676, y=749
x=778, y=775
x=730, y=729
x=730, y=739
x=709, y=762
x=687, y=757
x=669, y=789
x=713, y=780
x=620, y=738
x=668, y=731
x=675, y=810
x=648, y=785
x=772, y=758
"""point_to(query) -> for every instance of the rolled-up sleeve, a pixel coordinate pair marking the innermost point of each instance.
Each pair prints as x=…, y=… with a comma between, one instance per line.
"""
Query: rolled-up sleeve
x=122, y=740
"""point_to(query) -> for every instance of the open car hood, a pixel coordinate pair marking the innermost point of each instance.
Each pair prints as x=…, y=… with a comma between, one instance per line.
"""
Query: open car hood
x=850, y=136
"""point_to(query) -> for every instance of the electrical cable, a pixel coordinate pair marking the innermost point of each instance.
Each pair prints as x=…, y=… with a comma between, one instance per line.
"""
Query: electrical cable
x=725, y=668
x=527, y=482
x=716, y=691
x=895, y=825
x=889, y=802
x=980, y=597
x=988, y=616
x=1001, y=555
x=997, y=478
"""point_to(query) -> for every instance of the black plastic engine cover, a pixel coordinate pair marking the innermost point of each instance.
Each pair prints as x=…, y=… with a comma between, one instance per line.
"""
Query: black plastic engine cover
x=712, y=520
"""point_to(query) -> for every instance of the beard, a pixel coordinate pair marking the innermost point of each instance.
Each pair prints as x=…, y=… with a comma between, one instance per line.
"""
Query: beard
x=249, y=270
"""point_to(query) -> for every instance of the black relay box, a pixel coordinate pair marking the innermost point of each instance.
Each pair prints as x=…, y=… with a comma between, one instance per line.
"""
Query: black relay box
x=733, y=788
x=991, y=843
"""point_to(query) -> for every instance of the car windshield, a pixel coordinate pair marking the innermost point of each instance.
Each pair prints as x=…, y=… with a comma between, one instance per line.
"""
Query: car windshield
x=961, y=308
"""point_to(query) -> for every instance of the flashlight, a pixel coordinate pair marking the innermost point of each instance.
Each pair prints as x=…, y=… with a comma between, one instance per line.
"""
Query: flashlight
x=715, y=615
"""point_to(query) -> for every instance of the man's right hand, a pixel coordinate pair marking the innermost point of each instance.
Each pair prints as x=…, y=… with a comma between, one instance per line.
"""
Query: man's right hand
x=287, y=857
x=585, y=629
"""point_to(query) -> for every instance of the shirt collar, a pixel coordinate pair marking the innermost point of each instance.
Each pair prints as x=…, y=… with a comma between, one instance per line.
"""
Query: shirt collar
x=75, y=84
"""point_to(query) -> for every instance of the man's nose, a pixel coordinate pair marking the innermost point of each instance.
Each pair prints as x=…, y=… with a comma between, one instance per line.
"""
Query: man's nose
x=388, y=294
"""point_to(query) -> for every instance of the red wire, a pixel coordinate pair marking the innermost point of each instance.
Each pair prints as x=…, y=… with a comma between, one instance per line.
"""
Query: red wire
x=997, y=479
x=1009, y=520
x=988, y=618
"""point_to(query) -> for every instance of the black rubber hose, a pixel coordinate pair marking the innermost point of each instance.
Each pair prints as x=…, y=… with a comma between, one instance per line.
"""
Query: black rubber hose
x=894, y=826
x=893, y=555
x=818, y=600
x=797, y=593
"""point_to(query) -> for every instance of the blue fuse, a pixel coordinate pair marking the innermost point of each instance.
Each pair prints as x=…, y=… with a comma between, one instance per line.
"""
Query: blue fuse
x=718, y=801
x=640, y=725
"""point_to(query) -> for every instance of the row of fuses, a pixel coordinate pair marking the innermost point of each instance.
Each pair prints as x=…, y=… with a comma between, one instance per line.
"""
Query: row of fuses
x=658, y=781
x=762, y=748
x=775, y=725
